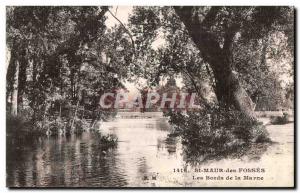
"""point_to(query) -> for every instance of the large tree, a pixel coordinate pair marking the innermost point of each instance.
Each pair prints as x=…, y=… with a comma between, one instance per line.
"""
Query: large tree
x=61, y=60
x=206, y=43
x=214, y=32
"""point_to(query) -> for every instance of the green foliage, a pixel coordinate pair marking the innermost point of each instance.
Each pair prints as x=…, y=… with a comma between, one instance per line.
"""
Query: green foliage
x=19, y=127
x=52, y=127
x=265, y=69
x=252, y=29
x=280, y=120
x=216, y=131
x=67, y=56
x=108, y=140
x=165, y=49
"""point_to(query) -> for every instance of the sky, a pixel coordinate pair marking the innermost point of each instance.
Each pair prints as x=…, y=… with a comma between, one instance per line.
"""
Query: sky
x=121, y=12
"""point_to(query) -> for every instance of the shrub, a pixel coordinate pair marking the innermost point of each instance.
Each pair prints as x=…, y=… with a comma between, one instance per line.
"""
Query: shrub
x=54, y=126
x=19, y=126
x=216, y=131
x=107, y=141
x=259, y=134
x=14, y=124
x=80, y=125
x=280, y=120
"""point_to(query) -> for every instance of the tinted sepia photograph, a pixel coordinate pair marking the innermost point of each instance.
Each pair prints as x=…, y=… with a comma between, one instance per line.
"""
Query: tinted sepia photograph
x=150, y=96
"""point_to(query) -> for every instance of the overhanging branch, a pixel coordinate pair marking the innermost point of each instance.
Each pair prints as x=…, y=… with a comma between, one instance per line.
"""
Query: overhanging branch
x=126, y=30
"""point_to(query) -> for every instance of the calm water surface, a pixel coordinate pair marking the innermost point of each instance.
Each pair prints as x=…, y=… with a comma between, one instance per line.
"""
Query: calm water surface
x=144, y=156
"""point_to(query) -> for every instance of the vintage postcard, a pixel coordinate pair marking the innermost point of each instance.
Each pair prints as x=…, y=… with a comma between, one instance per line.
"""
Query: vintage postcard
x=150, y=96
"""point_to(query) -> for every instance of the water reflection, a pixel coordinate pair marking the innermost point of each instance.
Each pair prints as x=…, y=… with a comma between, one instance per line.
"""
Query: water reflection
x=77, y=161
x=145, y=156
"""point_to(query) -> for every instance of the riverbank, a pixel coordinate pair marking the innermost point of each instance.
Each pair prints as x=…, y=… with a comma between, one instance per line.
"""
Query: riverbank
x=262, y=167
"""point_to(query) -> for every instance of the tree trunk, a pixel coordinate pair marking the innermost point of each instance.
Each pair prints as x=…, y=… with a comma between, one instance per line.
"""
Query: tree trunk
x=33, y=103
x=22, y=81
x=75, y=115
x=229, y=91
x=14, y=95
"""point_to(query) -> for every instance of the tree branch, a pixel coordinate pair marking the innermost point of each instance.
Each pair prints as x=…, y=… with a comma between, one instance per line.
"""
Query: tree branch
x=229, y=35
x=210, y=17
x=126, y=30
x=199, y=31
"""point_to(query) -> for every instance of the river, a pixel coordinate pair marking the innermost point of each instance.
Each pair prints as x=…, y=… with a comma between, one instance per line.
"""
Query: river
x=141, y=153
x=144, y=157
